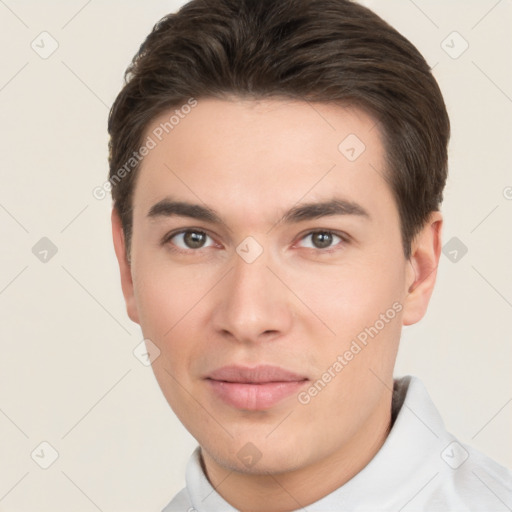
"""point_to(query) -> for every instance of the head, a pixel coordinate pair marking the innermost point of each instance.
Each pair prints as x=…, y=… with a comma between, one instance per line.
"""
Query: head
x=277, y=168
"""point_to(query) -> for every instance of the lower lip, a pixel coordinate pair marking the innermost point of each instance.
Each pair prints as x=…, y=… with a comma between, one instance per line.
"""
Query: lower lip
x=254, y=397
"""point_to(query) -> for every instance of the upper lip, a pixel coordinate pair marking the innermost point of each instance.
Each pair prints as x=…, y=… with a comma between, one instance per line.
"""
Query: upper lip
x=256, y=375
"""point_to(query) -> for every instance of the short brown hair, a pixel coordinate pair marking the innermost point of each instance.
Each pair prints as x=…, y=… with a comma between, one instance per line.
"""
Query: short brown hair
x=312, y=50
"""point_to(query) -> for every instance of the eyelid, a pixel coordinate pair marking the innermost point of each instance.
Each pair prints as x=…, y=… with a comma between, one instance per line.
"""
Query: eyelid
x=169, y=236
x=345, y=239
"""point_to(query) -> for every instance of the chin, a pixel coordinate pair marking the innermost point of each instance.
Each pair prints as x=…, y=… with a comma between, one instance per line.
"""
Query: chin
x=257, y=457
x=273, y=465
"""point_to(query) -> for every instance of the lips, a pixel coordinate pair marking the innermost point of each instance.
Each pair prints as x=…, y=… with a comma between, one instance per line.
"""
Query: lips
x=257, y=388
x=258, y=375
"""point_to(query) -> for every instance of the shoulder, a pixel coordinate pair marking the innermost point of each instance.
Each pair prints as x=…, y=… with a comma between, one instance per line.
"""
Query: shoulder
x=447, y=473
x=469, y=481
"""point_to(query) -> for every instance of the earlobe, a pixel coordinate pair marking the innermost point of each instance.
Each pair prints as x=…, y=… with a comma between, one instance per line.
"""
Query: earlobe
x=124, y=266
x=422, y=271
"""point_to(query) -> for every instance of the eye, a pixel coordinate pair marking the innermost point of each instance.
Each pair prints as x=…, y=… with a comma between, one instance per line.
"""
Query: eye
x=322, y=239
x=189, y=239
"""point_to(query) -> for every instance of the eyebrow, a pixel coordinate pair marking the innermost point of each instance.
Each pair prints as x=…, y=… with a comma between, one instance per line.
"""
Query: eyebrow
x=307, y=211
x=336, y=206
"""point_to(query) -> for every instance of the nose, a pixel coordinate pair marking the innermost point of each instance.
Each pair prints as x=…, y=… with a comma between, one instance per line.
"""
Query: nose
x=252, y=304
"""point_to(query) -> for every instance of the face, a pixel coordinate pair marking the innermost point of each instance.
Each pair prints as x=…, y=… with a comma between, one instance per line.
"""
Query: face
x=267, y=267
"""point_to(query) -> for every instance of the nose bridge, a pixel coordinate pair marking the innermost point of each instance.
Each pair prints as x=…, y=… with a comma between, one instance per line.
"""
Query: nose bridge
x=252, y=302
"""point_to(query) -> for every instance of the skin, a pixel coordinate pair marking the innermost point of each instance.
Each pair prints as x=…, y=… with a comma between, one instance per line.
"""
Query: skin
x=298, y=305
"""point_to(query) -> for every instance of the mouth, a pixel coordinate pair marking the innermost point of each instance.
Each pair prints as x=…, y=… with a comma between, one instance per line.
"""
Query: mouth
x=253, y=389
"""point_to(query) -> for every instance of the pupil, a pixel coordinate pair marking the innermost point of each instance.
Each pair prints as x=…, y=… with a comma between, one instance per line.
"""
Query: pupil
x=322, y=239
x=194, y=239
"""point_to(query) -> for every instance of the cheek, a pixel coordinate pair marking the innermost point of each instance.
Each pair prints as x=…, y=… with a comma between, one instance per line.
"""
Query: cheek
x=362, y=303
x=364, y=310
x=350, y=297
x=163, y=298
x=171, y=303
x=158, y=305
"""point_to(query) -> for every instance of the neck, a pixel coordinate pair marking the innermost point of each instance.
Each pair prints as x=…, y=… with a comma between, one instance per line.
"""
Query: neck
x=285, y=492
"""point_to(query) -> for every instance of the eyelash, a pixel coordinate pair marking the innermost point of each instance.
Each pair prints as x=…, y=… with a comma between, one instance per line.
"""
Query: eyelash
x=345, y=239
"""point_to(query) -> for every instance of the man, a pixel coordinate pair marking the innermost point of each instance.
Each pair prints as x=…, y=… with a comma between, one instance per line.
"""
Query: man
x=277, y=169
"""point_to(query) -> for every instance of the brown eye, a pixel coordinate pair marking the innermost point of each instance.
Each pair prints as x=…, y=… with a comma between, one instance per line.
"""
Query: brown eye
x=321, y=240
x=194, y=239
x=189, y=239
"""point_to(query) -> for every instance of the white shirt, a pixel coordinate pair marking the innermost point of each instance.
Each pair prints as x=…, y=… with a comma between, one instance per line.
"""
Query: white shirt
x=420, y=467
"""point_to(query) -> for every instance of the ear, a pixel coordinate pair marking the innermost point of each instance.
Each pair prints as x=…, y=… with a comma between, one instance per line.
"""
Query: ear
x=124, y=266
x=422, y=271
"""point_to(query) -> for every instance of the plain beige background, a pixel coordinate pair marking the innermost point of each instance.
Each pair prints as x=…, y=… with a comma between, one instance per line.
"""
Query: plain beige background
x=68, y=376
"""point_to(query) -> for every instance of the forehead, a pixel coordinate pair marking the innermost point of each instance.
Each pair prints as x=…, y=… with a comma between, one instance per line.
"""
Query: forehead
x=253, y=156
